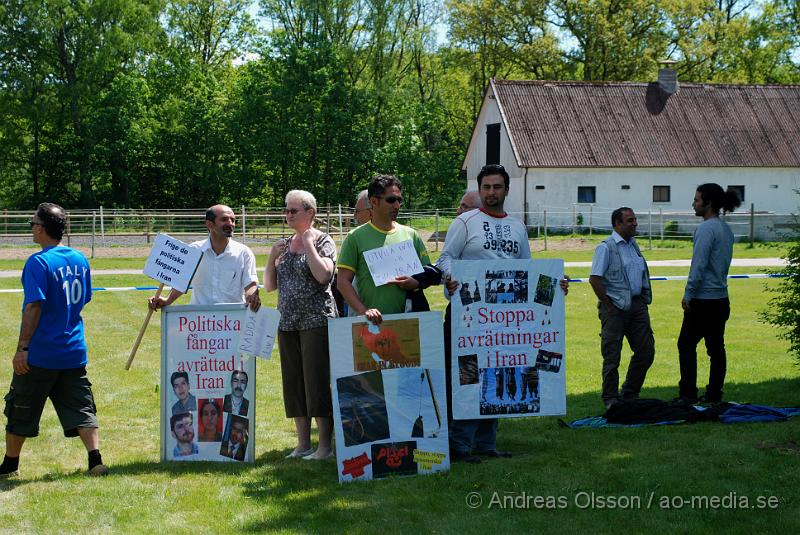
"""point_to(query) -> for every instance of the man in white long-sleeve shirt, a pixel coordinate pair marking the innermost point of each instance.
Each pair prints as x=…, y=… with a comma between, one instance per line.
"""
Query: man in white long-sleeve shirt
x=705, y=303
x=487, y=233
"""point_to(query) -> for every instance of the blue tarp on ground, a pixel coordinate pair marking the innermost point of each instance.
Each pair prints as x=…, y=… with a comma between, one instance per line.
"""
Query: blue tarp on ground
x=733, y=413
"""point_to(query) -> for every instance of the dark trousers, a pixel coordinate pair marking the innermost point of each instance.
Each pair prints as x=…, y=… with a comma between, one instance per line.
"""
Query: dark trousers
x=481, y=433
x=705, y=320
x=633, y=324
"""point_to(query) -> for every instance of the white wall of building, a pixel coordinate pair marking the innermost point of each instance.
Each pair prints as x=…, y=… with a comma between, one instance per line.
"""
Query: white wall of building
x=770, y=189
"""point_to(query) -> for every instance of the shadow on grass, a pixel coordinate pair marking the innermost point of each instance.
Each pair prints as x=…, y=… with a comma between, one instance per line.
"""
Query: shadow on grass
x=548, y=460
x=131, y=469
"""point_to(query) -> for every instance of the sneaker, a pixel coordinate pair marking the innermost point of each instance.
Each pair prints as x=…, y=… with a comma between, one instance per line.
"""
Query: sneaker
x=682, y=400
x=9, y=475
x=98, y=470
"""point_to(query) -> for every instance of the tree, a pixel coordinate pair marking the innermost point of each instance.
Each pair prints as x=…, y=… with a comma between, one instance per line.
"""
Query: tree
x=735, y=41
x=616, y=39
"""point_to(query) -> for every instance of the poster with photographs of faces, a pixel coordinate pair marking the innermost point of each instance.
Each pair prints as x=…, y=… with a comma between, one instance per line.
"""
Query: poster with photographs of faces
x=389, y=396
x=508, y=339
x=207, y=389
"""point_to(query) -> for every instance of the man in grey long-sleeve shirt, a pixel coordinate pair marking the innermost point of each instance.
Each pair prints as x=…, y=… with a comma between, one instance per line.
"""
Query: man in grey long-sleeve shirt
x=706, y=307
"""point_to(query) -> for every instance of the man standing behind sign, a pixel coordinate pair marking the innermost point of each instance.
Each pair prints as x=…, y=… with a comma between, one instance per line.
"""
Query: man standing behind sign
x=227, y=270
x=621, y=282
x=50, y=360
x=385, y=197
x=484, y=234
x=470, y=201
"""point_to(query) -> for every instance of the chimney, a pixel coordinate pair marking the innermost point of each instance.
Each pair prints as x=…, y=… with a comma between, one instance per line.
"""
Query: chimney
x=667, y=77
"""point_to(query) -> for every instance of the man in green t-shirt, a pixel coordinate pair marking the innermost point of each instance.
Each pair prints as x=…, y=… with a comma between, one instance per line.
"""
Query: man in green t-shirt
x=385, y=197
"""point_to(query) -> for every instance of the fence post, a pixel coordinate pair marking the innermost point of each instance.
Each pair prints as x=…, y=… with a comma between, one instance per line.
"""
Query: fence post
x=341, y=222
x=102, y=228
x=649, y=229
x=752, y=224
x=329, y=218
x=590, y=220
x=94, y=221
x=149, y=225
x=573, y=219
x=244, y=223
x=436, y=229
x=545, y=230
x=5, y=221
x=69, y=228
x=661, y=222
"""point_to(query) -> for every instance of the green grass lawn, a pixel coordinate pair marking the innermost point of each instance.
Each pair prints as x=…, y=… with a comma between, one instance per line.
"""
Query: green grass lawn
x=278, y=495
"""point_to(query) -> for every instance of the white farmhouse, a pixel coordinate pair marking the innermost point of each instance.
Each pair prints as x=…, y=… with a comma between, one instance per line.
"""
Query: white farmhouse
x=609, y=144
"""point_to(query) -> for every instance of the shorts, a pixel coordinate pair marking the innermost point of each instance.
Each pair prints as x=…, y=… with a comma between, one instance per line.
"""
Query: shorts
x=69, y=390
x=305, y=371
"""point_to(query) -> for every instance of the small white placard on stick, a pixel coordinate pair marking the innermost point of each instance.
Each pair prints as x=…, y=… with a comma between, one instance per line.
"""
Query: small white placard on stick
x=257, y=338
x=172, y=262
x=388, y=263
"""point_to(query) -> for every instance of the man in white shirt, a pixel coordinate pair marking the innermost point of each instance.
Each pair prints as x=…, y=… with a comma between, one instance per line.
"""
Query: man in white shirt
x=227, y=270
x=620, y=279
x=486, y=233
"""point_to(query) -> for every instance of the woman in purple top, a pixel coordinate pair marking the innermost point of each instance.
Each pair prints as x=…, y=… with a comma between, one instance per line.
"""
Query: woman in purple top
x=301, y=268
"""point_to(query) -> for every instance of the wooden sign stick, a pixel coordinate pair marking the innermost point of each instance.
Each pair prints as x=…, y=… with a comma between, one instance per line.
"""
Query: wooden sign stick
x=144, y=327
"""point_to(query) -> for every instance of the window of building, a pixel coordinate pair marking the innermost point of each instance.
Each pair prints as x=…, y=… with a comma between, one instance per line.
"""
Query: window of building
x=493, y=143
x=587, y=194
x=739, y=190
x=539, y=186
x=660, y=193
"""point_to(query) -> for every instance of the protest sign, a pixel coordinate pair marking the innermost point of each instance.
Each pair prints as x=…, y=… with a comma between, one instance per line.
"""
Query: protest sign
x=258, y=333
x=207, y=390
x=389, y=262
x=172, y=262
x=508, y=339
x=389, y=396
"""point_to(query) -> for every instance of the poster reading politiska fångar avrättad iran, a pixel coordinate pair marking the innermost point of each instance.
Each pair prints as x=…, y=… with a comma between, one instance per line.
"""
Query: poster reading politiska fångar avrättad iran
x=207, y=388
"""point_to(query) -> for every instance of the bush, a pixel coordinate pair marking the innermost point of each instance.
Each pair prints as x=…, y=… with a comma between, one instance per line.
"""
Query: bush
x=784, y=308
x=671, y=228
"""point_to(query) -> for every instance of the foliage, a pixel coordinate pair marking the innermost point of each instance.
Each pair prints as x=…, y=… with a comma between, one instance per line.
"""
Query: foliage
x=177, y=103
x=784, y=308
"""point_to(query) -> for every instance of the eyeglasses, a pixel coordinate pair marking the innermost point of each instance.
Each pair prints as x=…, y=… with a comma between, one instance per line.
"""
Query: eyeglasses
x=392, y=199
x=34, y=223
x=293, y=211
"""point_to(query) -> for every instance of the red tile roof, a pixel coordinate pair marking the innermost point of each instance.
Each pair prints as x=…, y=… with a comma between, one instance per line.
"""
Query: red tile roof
x=625, y=124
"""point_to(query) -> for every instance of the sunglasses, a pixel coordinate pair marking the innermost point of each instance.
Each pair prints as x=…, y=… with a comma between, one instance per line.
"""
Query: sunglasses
x=293, y=211
x=392, y=199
